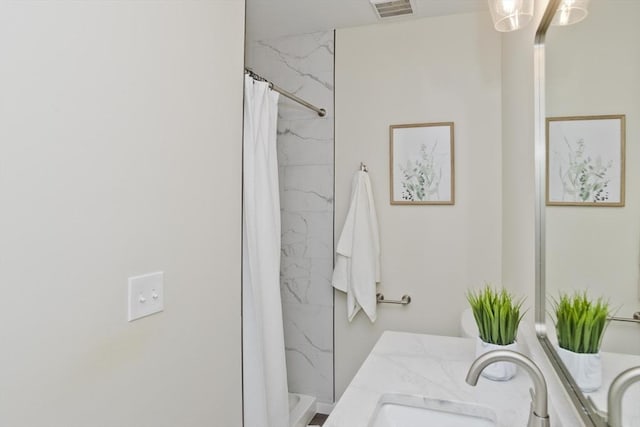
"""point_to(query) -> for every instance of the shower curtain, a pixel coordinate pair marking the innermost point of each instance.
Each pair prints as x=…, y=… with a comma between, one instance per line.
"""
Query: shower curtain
x=264, y=368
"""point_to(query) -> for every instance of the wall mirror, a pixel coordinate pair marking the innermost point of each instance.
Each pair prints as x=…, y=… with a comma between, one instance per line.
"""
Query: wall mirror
x=586, y=73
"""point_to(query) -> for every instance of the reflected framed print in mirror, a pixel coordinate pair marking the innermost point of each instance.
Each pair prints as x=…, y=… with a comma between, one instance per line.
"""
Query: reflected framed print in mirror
x=585, y=161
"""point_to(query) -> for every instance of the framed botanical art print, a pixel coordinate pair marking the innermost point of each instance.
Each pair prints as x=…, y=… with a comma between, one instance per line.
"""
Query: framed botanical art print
x=421, y=163
x=585, y=161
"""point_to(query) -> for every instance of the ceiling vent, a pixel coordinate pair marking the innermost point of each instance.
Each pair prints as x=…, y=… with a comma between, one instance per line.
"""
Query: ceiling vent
x=390, y=9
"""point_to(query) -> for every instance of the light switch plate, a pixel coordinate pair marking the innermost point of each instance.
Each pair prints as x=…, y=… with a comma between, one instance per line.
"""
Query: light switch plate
x=146, y=295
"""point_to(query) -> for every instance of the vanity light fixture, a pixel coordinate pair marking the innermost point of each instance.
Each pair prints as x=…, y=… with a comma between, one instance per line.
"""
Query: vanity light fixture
x=571, y=12
x=510, y=15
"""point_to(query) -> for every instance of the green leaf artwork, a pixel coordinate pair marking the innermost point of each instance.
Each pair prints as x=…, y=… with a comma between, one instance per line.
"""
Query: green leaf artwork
x=421, y=178
x=585, y=178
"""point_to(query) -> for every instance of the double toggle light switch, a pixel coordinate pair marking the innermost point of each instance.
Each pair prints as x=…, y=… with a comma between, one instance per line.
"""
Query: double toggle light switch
x=146, y=295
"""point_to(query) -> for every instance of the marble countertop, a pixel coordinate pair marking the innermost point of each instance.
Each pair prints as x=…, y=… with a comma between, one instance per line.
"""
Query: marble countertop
x=435, y=367
x=612, y=365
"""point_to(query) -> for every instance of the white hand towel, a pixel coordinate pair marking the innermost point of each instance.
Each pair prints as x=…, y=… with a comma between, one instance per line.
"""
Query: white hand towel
x=357, y=267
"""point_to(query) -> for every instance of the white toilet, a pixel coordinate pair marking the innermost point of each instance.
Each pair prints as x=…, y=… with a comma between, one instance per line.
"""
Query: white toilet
x=468, y=327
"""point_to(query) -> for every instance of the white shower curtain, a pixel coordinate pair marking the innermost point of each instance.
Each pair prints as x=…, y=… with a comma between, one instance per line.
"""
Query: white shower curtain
x=265, y=374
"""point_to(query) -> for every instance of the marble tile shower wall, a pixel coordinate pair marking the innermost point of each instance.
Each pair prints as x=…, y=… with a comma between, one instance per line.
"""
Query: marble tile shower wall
x=303, y=65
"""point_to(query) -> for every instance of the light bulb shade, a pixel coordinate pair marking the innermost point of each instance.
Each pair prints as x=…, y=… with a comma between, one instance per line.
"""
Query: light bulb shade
x=510, y=15
x=571, y=12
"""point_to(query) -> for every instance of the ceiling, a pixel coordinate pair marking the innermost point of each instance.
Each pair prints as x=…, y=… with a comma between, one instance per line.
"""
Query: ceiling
x=268, y=19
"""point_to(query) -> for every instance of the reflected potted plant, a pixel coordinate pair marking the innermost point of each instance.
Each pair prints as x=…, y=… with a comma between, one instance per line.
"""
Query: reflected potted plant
x=580, y=324
x=498, y=315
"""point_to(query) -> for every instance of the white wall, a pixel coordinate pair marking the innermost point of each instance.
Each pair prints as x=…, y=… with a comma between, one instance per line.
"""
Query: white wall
x=593, y=68
x=120, y=154
x=428, y=70
x=518, y=161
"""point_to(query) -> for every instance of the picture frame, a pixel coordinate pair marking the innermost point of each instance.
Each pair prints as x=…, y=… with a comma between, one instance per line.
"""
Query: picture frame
x=585, y=160
x=421, y=160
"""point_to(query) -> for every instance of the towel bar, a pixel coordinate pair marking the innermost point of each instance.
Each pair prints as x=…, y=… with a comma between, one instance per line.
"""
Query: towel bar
x=406, y=299
x=634, y=319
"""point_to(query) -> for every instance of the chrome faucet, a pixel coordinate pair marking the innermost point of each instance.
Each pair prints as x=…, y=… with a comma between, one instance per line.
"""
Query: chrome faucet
x=619, y=385
x=539, y=415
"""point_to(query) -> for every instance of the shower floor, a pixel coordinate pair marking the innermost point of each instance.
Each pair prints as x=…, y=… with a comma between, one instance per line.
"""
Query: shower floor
x=318, y=420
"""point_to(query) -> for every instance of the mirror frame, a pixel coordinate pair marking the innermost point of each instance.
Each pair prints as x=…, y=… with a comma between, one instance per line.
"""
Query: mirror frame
x=584, y=406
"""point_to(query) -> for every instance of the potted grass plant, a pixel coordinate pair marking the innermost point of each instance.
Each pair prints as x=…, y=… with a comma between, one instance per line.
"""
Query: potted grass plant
x=580, y=324
x=498, y=315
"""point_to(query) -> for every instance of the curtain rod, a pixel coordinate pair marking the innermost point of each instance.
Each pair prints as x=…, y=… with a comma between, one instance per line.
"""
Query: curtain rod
x=321, y=111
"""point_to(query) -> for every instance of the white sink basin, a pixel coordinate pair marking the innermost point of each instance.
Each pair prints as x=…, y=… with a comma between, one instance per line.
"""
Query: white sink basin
x=397, y=410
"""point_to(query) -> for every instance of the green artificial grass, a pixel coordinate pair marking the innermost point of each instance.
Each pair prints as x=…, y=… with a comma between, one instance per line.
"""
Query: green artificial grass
x=497, y=315
x=580, y=322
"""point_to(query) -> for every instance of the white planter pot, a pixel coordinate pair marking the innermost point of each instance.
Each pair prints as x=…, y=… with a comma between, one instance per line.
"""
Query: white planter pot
x=585, y=368
x=499, y=371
